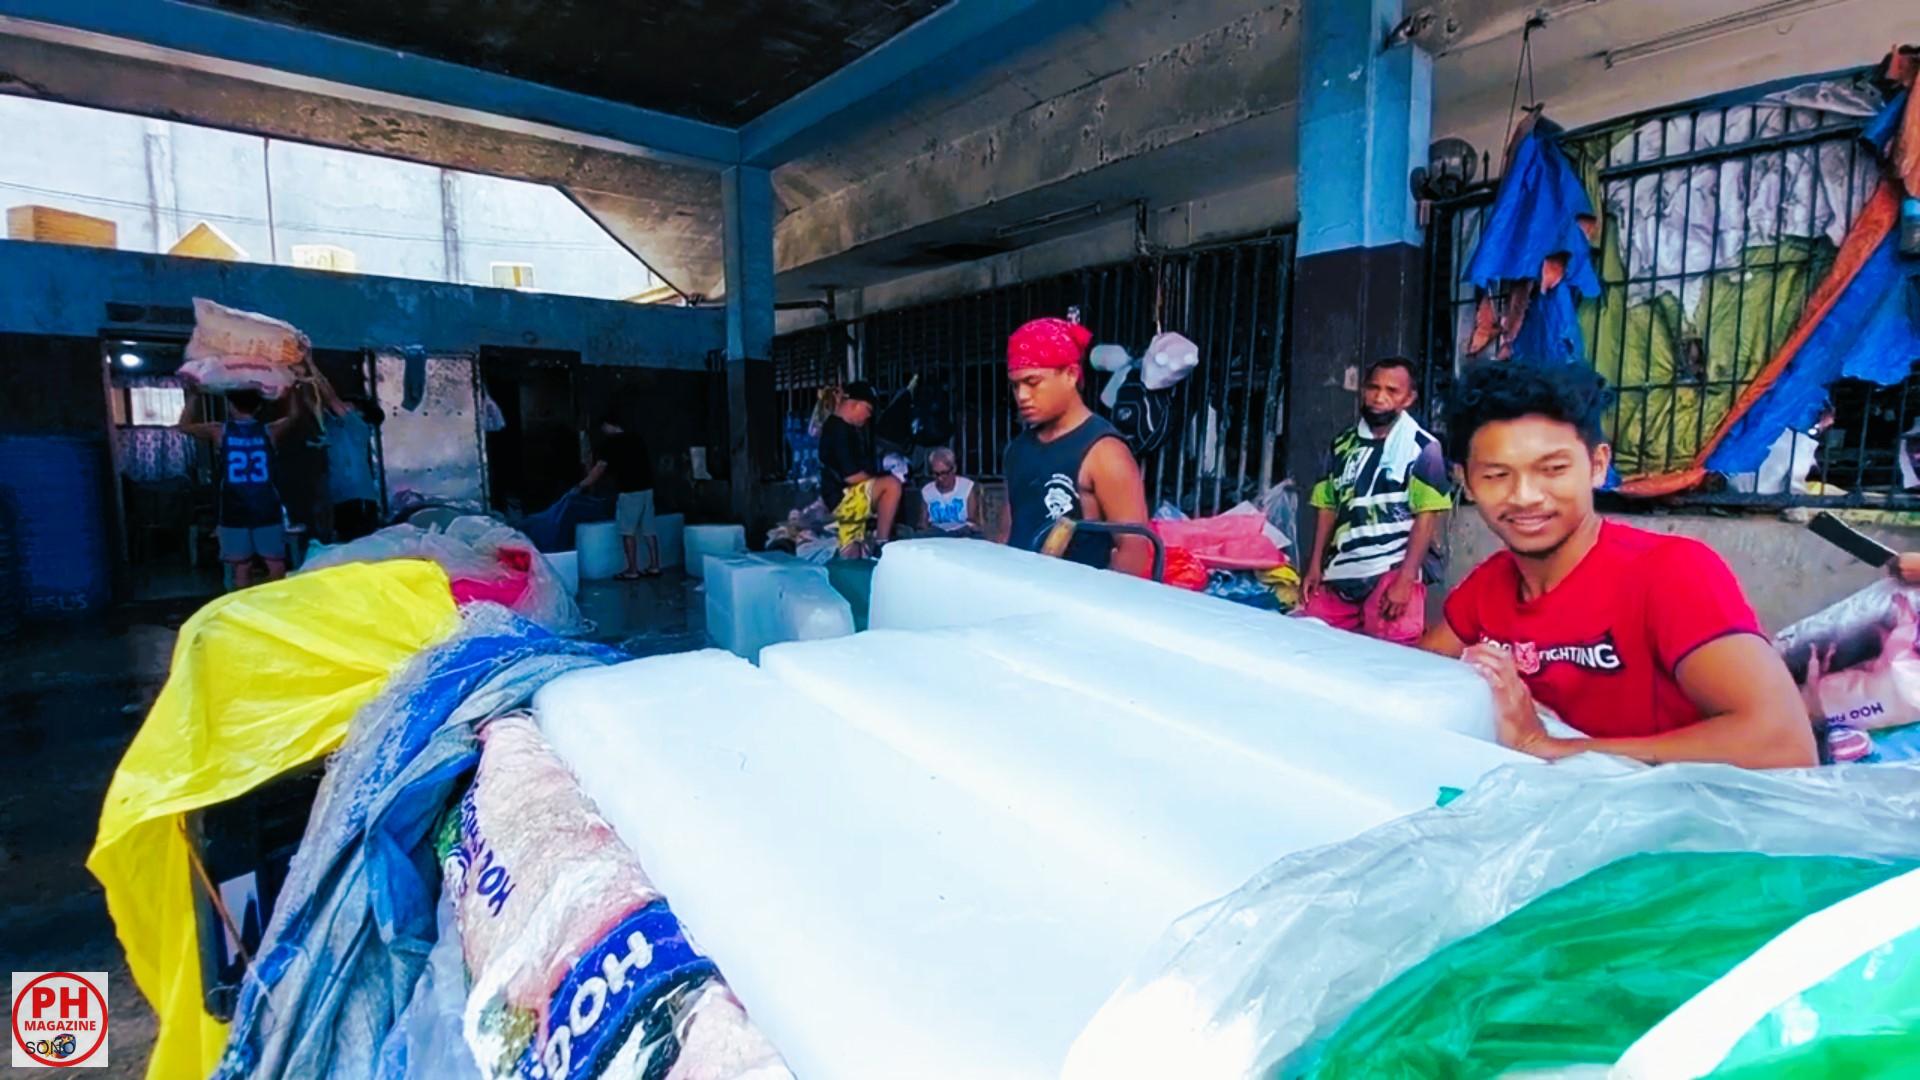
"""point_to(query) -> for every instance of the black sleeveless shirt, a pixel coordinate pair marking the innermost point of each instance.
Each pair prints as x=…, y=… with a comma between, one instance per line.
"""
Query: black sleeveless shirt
x=1043, y=485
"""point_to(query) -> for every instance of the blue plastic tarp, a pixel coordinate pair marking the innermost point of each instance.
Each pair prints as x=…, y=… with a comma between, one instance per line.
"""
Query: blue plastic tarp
x=1535, y=216
x=1870, y=333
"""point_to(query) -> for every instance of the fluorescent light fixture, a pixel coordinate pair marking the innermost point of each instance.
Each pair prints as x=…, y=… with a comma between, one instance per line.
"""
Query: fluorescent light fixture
x=1050, y=220
x=1750, y=19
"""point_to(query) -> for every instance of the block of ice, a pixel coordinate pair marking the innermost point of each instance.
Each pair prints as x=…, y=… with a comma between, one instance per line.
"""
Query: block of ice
x=758, y=600
x=600, y=551
x=811, y=609
x=671, y=529
x=877, y=919
x=566, y=565
x=937, y=583
x=1020, y=808
x=1194, y=769
x=701, y=541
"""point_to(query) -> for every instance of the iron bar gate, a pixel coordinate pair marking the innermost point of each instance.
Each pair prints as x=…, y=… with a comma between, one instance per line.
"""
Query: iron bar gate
x=1717, y=223
x=1228, y=416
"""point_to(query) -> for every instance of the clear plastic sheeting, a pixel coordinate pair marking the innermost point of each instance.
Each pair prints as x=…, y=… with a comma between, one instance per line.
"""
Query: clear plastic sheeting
x=1250, y=984
x=923, y=584
x=484, y=560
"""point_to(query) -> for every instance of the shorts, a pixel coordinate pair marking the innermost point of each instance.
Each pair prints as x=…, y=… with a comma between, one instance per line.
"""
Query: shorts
x=1365, y=616
x=633, y=513
x=855, y=509
x=238, y=545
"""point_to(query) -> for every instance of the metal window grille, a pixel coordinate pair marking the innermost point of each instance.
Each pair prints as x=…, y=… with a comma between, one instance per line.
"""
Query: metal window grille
x=1717, y=224
x=1231, y=300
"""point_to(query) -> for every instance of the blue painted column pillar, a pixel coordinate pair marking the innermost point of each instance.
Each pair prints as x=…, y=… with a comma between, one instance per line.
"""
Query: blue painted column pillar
x=1365, y=120
x=747, y=198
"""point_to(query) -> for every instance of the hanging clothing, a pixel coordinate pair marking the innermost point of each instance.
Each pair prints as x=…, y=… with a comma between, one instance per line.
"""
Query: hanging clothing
x=1536, y=252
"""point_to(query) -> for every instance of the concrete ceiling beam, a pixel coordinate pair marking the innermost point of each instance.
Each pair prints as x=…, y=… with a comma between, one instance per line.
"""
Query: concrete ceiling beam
x=208, y=39
x=1242, y=71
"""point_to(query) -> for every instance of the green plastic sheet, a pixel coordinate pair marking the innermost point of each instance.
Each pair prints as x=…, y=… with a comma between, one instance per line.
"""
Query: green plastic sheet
x=1576, y=976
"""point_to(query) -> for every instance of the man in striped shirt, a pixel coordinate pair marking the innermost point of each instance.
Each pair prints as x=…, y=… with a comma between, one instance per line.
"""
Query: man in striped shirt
x=1382, y=500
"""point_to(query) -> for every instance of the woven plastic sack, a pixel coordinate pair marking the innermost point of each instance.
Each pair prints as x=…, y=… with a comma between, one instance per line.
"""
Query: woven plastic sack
x=1855, y=661
x=1241, y=987
x=579, y=967
x=1576, y=976
x=263, y=681
x=241, y=350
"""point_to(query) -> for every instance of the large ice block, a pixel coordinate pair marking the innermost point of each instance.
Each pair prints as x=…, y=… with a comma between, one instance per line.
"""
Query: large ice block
x=601, y=553
x=935, y=854
x=703, y=540
x=877, y=919
x=1204, y=773
x=811, y=609
x=758, y=600
x=671, y=529
x=924, y=584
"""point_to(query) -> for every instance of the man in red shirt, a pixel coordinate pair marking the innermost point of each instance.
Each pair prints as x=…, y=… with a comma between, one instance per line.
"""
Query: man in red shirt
x=1642, y=642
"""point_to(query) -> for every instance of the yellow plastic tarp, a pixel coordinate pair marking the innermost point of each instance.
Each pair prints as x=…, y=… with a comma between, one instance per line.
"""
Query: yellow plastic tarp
x=262, y=681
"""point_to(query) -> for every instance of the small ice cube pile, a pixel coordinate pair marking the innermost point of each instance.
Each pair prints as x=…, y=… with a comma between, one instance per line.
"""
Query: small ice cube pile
x=936, y=847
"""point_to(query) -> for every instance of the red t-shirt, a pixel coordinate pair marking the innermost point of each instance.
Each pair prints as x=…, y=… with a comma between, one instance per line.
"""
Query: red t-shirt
x=1600, y=648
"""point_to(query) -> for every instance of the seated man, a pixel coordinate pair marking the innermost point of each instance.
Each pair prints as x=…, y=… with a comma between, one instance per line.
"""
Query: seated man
x=949, y=503
x=860, y=495
x=1642, y=642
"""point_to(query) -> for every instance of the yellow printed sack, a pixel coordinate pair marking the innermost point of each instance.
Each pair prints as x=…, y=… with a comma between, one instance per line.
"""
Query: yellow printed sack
x=262, y=681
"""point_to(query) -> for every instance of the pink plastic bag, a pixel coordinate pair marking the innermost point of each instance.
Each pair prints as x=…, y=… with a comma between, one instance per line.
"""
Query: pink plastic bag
x=1226, y=542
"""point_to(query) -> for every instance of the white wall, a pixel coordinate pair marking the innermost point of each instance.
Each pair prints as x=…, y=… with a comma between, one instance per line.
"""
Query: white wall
x=509, y=221
x=156, y=180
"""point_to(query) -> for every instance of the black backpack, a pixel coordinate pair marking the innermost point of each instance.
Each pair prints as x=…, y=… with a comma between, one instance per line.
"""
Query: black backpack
x=1144, y=417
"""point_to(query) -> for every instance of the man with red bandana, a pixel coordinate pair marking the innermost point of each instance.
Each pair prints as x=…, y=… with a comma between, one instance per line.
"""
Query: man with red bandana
x=1068, y=463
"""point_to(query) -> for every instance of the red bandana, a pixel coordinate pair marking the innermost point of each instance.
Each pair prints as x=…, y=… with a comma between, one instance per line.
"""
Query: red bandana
x=1048, y=343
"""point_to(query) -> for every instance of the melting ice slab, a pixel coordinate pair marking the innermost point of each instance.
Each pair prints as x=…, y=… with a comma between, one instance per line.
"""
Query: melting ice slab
x=935, y=854
x=924, y=584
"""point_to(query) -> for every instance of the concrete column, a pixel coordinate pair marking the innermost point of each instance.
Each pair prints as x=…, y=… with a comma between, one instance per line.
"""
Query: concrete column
x=1365, y=121
x=747, y=201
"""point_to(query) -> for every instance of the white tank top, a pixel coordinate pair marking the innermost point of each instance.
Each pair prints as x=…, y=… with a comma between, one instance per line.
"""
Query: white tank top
x=947, y=510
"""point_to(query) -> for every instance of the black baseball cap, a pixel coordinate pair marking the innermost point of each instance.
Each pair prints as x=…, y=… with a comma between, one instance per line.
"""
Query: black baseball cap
x=861, y=391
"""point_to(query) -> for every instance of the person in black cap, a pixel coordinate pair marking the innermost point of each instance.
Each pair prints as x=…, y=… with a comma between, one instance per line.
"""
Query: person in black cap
x=855, y=489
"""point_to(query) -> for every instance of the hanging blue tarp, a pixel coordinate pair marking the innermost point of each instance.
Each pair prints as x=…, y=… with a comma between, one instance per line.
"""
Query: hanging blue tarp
x=354, y=922
x=1535, y=217
x=1871, y=333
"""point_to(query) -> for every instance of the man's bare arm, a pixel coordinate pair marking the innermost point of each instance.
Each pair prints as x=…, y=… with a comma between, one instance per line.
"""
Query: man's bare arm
x=1754, y=715
x=1323, y=522
x=1114, y=477
x=1441, y=639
